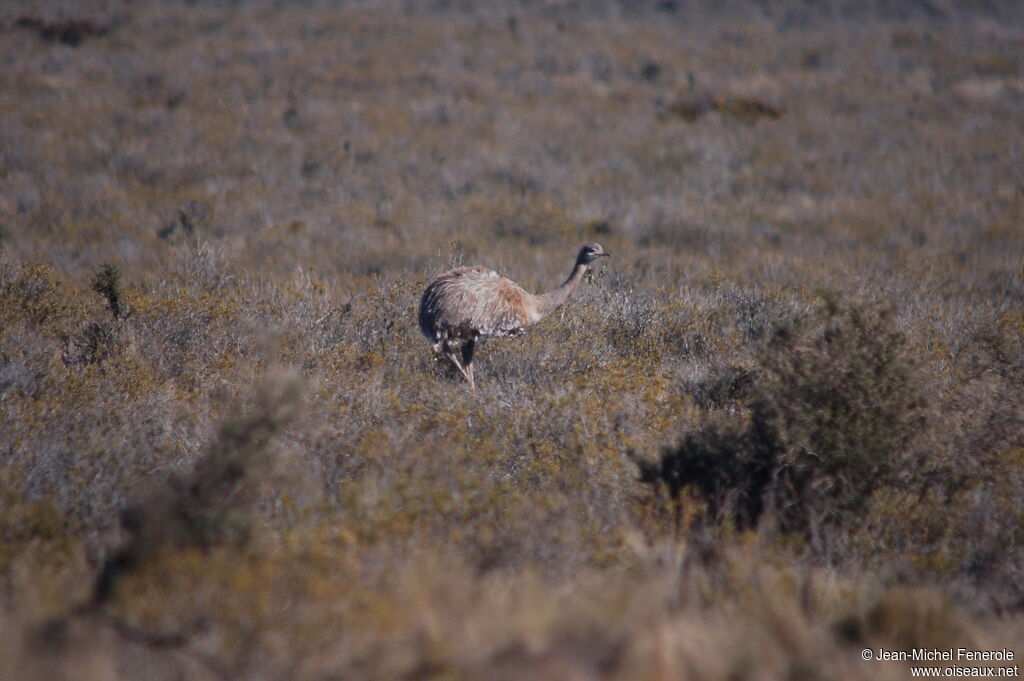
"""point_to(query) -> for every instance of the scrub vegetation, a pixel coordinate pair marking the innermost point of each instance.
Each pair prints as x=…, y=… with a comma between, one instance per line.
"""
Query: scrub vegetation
x=783, y=423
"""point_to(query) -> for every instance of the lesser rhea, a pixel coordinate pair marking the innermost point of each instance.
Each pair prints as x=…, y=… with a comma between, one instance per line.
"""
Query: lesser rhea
x=468, y=303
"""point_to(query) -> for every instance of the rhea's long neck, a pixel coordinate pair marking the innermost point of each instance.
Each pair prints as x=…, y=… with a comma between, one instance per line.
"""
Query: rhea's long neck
x=552, y=300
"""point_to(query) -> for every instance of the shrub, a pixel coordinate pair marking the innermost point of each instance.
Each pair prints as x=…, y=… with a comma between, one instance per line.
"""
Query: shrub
x=31, y=292
x=835, y=415
x=93, y=343
x=107, y=283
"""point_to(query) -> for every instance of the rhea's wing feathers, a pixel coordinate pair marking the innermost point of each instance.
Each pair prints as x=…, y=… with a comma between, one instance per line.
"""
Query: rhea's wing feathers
x=474, y=301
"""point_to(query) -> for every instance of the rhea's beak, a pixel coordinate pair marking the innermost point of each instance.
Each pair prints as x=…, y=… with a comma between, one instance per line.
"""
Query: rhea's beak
x=606, y=255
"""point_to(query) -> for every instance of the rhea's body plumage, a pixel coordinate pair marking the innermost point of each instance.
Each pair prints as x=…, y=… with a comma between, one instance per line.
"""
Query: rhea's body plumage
x=469, y=303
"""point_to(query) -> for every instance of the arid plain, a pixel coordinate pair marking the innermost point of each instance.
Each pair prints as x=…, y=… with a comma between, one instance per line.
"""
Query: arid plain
x=784, y=423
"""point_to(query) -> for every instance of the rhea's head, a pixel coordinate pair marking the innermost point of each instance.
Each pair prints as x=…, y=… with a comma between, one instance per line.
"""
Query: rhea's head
x=590, y=253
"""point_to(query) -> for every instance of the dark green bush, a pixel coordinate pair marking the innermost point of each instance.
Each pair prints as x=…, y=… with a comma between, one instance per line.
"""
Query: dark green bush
x=835, y=414
x=107, y=283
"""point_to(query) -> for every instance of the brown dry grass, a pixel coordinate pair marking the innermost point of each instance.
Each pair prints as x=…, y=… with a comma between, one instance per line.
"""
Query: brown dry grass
x=250, y=467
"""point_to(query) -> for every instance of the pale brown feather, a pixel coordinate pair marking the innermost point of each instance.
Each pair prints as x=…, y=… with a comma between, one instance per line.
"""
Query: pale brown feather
x=473, y=302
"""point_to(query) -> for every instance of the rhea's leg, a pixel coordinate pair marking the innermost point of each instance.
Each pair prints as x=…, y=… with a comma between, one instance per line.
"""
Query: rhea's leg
x=467, y=360
x=453, y=357
x=466, y=373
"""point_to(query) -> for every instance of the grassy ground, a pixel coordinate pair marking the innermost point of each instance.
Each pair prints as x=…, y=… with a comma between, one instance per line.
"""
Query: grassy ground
x=784, y=423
